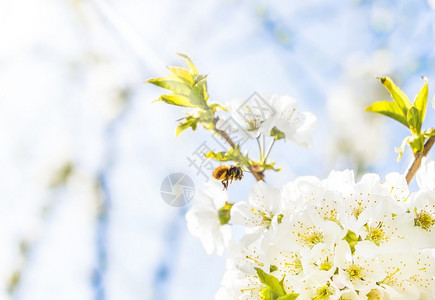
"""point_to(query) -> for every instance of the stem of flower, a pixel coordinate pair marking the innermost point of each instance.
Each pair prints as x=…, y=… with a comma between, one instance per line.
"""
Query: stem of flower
x=260, y=148
x=259, y=176
x=263, y=144
x=418, y=157
x=268, y=151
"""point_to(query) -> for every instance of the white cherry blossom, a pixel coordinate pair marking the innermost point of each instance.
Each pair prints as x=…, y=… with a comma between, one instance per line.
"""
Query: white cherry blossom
x=318, y=287
x=397, y=187
x=203, y=219
x=269, y=112
x=297, y=126
x=396, y=283
x=319, y=261
x=355, y=271
x=335, y=238
x=422, y=210
x=258, y=214
x=239, y=285
x=302, y=231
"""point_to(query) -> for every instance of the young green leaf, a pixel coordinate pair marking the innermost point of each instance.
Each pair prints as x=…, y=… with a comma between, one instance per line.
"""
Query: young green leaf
x=267, y=294
x=185, y=84
x=414, y=121
x=271, y=282
x=268, y=166
x=206, y=115
x=192, y=67
x=183, y=74
x=233, y=154
x=278, y=134
x=200, y=86
x=416, y=143
x=420, y=101
x=389, y=109
x=272, y=268
x=172, y=83
x=399, y=97
x=178, y=99
x=196, y=97
x=190, y=122
x=215, y=106
x=224, y=213
x=220, y=156
x=352, y=240
x=199, y=78
x=429, y=132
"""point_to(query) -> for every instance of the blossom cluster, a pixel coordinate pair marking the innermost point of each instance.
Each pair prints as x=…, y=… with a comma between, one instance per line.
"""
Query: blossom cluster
x=335, y=238
x=274, y=115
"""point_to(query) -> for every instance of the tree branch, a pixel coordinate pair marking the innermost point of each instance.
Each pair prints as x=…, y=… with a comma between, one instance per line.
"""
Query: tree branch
x=418, y=157
x=259, y=176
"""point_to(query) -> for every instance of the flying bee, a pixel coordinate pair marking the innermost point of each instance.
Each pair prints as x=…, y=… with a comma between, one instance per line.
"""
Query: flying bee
x=228, y=173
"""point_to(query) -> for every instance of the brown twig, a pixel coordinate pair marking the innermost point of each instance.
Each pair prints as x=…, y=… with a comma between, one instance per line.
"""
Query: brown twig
x=418, y=157
x=259, y=175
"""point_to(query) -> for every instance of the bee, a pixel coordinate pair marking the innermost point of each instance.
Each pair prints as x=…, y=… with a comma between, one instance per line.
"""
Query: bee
x=227, y=173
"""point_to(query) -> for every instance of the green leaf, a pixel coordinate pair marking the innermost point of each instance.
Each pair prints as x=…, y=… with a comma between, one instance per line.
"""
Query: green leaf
x=278, y=134
x=399, y=97
x=224, y=213
x=267, y=294
x=199, y=92
x=199, y=78
x=177, y=99
x=224, y=156
x=291, y=296
x=414, y=121
x=271, y=282
x=190, y=122
x=206, y=116
x=192, y=67
x=429, y=132
x=186, y=84
x=420, y=101
x=272, y=268
x=183, y=74
x=172, y=83
x=268, y=166
x=220, y=156
x=215, y=106
x=352, y=240
x=233, y=154
x=389, y=109
x=196, y=97
x=200, y=86
x=180, y=128
x=416, y=143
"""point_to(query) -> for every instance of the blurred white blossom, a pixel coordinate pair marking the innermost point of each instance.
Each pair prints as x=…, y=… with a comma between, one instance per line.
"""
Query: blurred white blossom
x=358, y=137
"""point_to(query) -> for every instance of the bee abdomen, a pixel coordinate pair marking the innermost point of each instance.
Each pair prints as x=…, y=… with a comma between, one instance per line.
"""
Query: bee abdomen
x=220, y=173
